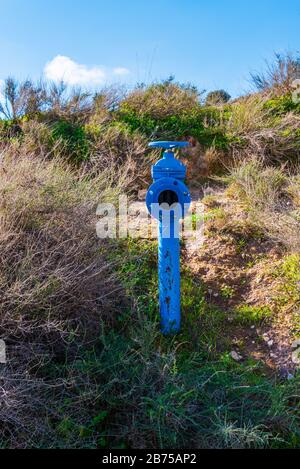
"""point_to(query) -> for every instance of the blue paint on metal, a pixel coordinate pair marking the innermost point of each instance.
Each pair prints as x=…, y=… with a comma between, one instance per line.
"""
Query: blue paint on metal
x=169, y=279
x=167, y=184
x=168, y=144
x=168, y=201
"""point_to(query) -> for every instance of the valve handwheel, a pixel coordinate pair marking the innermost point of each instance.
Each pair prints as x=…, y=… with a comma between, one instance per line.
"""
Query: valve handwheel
x=168, y=145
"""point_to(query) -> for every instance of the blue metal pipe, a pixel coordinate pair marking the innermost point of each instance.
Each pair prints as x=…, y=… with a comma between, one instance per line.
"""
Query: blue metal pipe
x=169, y=276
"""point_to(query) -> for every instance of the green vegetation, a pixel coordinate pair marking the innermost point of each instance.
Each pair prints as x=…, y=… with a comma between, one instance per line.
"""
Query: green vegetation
x=72, y=140
x=215, y=98
x=227, y=291
x=288, y=292
x=289, y=272
x=249, y=315
x=150, y=387
x=280, y=105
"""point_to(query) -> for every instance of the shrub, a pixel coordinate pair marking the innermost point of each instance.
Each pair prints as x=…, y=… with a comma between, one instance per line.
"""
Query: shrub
x=279, y=74
x=21, y=98
x=9, y=129
x=116, y=145
x=69, y=140
x=161, y=100
x=280, y=105
x=215, y=98
x=246, y=115
x=202, y=124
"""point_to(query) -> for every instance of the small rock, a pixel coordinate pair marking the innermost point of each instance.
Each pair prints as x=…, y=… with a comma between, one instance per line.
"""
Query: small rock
x=296, y=344
x=252, y=327
x=236, y=356
x=216, y=295
x=270, y=343
x=273, y=355
x=296, y=357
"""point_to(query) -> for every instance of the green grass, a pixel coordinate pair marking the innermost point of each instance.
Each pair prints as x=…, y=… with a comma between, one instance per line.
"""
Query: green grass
x=288, y=275
x=180, y=392
x=248, y=315
x=150, y=391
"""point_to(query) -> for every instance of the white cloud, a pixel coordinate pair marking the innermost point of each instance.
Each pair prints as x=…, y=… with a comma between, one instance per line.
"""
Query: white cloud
x=63, y=68
x=121, y=71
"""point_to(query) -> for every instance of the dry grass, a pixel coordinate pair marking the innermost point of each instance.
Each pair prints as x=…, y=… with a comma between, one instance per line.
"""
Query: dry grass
x=55, y=285
x=125, y=153
x=248, y=115
x=279, y=74
x=161, y=100
x=277, y=143
x=264, y=193
x=294, y=189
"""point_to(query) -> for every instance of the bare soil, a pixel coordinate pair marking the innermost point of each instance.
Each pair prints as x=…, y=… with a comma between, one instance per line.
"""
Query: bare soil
x=237, y=273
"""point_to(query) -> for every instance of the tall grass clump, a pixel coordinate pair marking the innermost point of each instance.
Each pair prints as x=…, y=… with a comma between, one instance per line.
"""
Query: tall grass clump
x=55, y=285
x=264, y=193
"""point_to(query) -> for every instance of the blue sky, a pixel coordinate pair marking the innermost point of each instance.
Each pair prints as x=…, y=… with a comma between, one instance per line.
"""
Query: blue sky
x=213, y=44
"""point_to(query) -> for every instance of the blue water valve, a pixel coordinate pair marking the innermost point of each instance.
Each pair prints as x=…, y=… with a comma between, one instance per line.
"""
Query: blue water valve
x=168, y=200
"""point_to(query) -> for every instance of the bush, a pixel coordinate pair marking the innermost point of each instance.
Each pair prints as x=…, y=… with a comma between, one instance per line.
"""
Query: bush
x=9, y=129
x=279, y=75
x=202, y=124
x=69, y=140
x=116, y=145
x=280, y=105
x=256, y=185
x=161, y=100
x=215, y=98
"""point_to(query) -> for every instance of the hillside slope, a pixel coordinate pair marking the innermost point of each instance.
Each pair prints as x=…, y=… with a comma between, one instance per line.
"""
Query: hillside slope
x=87, y=366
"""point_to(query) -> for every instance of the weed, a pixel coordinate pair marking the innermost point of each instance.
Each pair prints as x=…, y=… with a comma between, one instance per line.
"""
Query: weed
x=248, y=315
x=227, y=291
